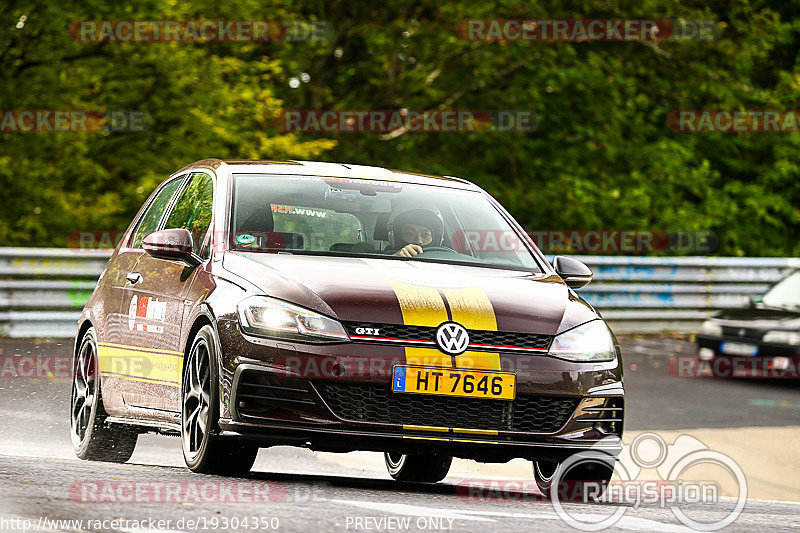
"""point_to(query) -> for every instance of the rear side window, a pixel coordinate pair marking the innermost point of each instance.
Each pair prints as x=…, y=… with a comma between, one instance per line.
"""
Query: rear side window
x=152, y=216
x=192, y=211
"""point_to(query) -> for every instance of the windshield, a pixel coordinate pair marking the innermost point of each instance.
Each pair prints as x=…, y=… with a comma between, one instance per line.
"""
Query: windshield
x=786, y=294
x=340, y=216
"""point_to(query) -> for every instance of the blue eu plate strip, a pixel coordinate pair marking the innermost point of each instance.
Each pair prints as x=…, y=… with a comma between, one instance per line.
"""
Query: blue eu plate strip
x=399, y=379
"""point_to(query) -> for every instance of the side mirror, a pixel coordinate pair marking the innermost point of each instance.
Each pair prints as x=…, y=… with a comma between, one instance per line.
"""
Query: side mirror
x=172, y=244
x=574, y=273
x=754, y=300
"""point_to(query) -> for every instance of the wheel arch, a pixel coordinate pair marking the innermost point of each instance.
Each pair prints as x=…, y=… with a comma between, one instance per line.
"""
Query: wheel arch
x=83, y=327
x=199, y=321
x=205, y=317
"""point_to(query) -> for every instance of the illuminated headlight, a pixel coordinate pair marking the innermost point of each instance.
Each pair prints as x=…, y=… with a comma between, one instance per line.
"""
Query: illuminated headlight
x=783, y=337
x=711, y=329
x=589, y=342
x=268, y=317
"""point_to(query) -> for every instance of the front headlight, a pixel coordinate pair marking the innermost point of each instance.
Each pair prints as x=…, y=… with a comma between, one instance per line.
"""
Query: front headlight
x=711, y=329
x=783, y=337
x=268, y=317
x=589, y=342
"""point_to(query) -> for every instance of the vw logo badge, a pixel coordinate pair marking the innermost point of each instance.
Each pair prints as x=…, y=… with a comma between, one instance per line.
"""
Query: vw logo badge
x=452, y=338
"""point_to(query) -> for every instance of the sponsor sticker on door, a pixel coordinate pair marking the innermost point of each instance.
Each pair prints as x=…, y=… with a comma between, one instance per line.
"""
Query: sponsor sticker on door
x=148, y=309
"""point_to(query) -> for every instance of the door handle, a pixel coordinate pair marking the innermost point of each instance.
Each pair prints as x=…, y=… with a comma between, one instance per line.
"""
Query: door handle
x=134, y=277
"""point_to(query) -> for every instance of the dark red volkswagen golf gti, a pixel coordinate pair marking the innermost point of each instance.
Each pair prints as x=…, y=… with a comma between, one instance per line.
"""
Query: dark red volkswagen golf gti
x=342, y=307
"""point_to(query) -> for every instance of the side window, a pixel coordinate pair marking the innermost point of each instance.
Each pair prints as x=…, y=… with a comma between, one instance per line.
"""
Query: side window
x=193, y=208
x=149, y=222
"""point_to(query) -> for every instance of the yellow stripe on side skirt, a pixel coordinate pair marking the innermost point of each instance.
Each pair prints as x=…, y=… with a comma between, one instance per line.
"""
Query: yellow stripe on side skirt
x=129, y=363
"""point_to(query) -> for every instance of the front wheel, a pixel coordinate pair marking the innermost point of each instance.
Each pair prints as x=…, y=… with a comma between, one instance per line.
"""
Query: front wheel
x=203, y=449
x=579, y=478
x=428, y=468
x=91, y=439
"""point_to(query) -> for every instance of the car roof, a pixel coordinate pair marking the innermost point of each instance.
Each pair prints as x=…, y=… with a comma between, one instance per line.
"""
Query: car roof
x=337, y=170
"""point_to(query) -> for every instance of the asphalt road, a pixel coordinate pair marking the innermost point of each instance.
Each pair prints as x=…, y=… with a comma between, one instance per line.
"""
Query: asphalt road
x=297, y=490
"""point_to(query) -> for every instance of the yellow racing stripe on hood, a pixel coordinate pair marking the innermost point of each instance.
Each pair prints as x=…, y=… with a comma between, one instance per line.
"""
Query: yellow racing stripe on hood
x=422, y=306
x=472, y=308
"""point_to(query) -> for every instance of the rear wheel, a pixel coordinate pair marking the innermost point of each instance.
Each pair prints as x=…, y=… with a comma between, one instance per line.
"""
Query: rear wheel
x=203, y=449
x=91, y=439
x=579, y=478
x=418, y=467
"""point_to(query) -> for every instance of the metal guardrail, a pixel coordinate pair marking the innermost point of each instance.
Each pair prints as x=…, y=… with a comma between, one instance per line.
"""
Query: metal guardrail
x=43, y=289
x=651, y=294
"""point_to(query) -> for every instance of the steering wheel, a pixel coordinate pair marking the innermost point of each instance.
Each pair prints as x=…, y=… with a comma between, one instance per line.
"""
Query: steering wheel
x=438, y=249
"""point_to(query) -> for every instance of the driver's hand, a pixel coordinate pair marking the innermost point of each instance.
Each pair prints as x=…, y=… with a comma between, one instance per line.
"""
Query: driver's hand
x=409, y=250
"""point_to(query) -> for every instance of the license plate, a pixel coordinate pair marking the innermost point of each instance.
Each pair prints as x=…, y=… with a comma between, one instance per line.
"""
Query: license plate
x=455, y=382
x=738, y=348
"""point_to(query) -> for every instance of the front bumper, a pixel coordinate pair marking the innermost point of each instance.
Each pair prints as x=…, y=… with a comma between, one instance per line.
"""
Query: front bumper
x=765, y=349
x=770, y=361
x=338, y=398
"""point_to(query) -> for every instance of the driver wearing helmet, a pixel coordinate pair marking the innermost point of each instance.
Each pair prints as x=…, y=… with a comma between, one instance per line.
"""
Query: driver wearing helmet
x=415, y=229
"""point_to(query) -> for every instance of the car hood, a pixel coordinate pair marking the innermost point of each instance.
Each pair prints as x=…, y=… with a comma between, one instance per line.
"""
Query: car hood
x=389, y=291
x=759, y=318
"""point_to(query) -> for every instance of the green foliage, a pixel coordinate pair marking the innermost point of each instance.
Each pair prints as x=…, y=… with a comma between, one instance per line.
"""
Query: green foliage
x=601, y=157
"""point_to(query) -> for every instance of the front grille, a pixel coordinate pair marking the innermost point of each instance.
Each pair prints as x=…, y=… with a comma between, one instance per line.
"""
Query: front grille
x=743, y=333
x=369, y=403
x=476, y=336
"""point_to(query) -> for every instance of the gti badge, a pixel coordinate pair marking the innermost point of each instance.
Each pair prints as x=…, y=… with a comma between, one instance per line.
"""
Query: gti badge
x=452, y=338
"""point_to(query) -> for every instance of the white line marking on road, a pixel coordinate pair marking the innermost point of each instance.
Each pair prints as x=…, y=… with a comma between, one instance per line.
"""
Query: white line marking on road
x=630, y=523
x=413, y=510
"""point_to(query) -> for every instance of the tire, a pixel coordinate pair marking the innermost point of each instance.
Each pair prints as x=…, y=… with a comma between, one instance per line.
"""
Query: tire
x=428, y=468
x=91, y=439
x=204, y=450
x=584, y=475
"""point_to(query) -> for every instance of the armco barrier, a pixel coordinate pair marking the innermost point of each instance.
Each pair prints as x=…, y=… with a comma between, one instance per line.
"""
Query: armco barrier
x=43, y=289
